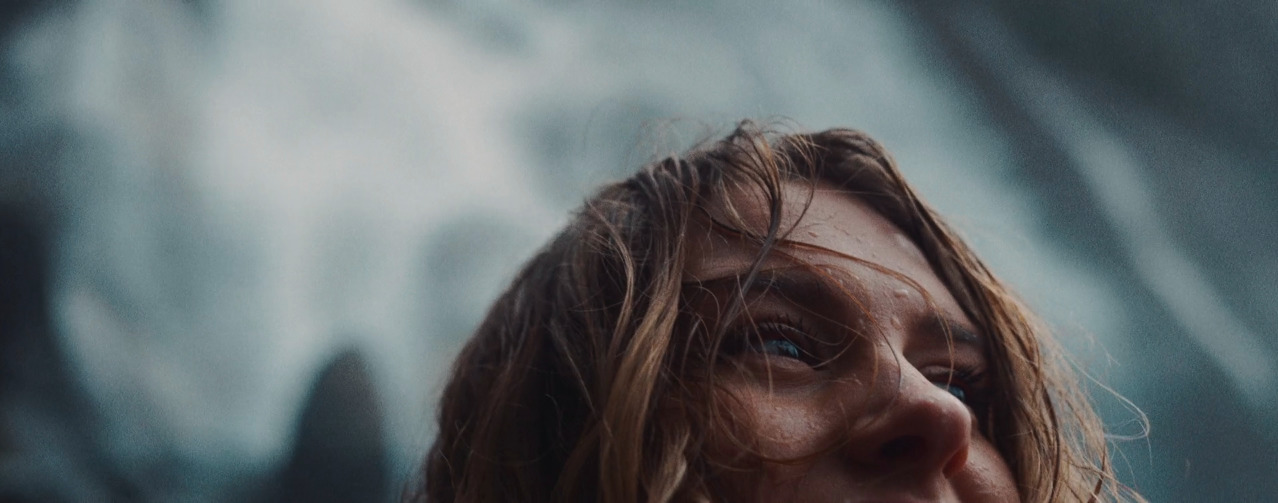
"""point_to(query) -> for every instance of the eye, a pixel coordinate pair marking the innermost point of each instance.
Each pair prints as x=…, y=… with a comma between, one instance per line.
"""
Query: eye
x=967, y=385
x=954, y=389
x=782, y=338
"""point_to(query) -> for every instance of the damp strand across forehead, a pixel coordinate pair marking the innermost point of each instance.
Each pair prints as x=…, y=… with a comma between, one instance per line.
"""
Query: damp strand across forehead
x=819, y=290
x=808, y=234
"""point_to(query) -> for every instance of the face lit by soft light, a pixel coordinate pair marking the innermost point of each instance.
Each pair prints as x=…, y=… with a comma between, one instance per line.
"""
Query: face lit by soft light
x=853, y=374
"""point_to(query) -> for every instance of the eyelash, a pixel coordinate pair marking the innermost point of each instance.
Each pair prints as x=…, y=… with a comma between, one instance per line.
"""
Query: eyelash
x=755, y=337
x=966, y=379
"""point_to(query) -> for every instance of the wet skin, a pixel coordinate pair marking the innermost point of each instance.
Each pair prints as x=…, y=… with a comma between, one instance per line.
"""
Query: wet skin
x=853, y=373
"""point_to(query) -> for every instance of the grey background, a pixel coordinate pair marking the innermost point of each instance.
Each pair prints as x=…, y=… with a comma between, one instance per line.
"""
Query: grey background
x=240, y=240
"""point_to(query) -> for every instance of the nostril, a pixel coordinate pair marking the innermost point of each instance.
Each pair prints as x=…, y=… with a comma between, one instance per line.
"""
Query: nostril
x=903, y=448
x=923, y=430
x=913, y=450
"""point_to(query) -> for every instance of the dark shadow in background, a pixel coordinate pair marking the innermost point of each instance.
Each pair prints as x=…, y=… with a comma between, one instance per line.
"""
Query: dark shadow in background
x=48, y=450
x=339, y=455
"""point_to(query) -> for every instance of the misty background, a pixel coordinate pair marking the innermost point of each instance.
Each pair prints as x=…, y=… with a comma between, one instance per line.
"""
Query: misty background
x=240, y=241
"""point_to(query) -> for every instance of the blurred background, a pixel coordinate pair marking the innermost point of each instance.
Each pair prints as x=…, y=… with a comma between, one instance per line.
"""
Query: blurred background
x=241, y=240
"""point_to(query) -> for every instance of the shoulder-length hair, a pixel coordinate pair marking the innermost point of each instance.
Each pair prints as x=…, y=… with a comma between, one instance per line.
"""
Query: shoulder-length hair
x=586, y=380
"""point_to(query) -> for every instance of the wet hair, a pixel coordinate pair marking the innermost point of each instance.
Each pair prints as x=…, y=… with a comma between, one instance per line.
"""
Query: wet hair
x=587, y=379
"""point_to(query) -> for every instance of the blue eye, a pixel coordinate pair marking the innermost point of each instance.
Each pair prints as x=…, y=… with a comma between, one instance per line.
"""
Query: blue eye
x=781, y=347
x=955, y=390
x=782, y=338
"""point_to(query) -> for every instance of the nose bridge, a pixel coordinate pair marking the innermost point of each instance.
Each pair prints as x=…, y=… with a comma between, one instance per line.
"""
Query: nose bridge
x=909, y=424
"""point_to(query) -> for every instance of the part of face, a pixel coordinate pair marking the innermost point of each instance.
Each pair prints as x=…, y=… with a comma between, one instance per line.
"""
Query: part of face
x=875, y=421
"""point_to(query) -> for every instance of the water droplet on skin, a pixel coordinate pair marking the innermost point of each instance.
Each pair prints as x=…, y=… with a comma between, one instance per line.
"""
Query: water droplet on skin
x=901, y=293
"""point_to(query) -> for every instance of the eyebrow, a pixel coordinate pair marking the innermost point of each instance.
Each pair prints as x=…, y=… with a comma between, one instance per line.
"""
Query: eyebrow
x=959, y=332
x=794, y=282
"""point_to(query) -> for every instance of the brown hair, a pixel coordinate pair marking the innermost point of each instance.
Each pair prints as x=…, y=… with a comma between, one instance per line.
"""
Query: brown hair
x=586, y=382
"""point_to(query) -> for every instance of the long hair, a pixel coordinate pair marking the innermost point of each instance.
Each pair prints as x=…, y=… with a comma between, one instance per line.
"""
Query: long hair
x=587, y=381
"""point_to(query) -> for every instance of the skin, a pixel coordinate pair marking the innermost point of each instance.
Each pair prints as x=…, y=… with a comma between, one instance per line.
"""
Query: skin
x=849, y=368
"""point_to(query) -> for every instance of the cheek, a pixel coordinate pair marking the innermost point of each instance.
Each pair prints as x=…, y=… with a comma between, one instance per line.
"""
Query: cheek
x=771, y=426
x=986, y=477
x=786, y=427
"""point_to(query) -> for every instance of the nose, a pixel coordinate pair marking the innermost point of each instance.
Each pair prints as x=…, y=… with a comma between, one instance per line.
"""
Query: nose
x=912, y=427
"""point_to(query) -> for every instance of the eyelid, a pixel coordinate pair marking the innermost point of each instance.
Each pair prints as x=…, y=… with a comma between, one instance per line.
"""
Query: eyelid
x=755, y=330
x=972, y=380
x=783, y=325
x=973, y=375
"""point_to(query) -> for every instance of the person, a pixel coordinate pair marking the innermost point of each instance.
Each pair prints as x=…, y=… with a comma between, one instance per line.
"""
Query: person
x=768, y=317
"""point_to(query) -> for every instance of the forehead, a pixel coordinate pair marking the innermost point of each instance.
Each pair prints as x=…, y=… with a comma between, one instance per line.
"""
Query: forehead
x=814, y=217
x=821, y=225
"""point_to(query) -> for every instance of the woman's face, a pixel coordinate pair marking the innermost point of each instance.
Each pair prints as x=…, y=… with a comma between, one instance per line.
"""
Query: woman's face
x=852, y=375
